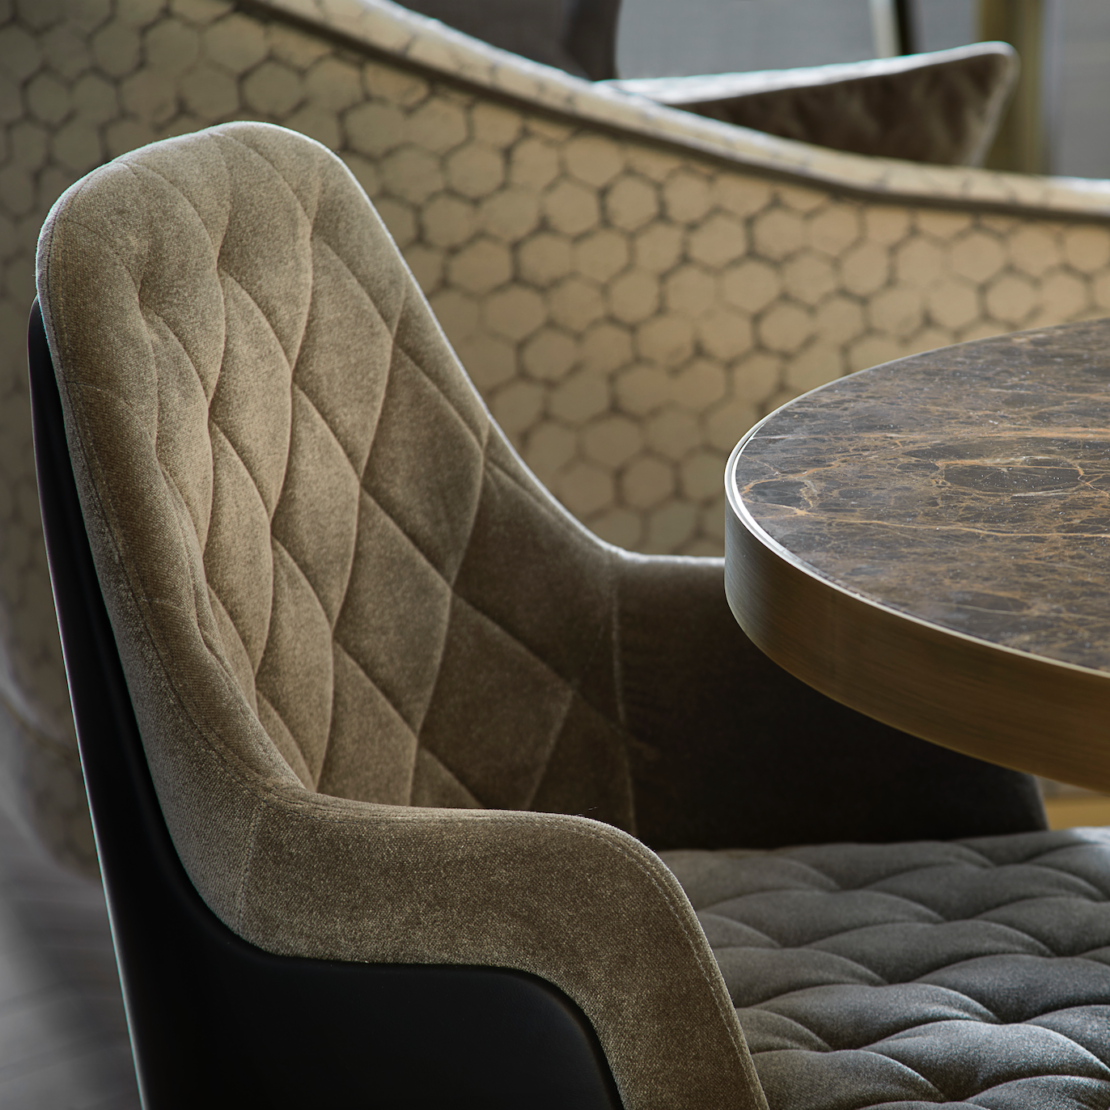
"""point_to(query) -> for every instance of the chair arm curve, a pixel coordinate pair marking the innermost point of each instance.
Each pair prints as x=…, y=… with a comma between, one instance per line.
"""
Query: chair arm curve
x=573, y=901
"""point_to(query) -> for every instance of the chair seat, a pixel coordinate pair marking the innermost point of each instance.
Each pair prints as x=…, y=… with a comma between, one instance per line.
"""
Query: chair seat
x=974, y=972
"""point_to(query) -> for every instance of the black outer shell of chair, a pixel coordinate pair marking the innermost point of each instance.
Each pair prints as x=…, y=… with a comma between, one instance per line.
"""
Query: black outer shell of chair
x=217, y=1022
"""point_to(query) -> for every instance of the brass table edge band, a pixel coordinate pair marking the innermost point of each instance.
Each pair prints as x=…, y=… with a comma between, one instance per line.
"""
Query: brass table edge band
x=986, y=700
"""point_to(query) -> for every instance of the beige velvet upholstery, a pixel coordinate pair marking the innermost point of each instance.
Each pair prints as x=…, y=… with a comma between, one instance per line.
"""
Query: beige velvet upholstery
x=311, y=615
x=400, y=707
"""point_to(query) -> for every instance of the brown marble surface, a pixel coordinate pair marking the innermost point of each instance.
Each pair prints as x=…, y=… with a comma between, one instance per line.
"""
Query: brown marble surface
x=969, y=487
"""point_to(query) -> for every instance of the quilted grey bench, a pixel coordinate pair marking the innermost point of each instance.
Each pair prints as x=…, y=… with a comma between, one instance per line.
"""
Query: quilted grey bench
x=973, y=972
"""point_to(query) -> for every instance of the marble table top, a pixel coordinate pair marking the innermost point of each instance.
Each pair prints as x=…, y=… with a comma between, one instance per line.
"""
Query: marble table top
x=966, y=490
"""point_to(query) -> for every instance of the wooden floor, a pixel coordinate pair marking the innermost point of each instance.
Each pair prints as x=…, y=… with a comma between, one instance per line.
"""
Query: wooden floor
x=63, y=1035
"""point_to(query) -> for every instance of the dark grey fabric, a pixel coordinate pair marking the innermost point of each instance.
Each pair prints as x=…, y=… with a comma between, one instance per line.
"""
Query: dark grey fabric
x=808, y=770
x=942, y=107
x=973, y=974
x=579, y=36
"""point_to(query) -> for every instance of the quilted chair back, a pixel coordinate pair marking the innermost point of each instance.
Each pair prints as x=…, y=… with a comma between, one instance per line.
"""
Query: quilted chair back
x=359, y=551
x=348, y=616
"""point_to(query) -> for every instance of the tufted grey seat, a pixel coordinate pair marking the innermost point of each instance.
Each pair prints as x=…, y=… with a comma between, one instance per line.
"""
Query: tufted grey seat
x=972, y=973
x=399, y=708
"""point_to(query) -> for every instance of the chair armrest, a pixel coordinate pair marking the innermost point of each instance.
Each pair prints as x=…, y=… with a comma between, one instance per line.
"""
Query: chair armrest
x=942, y=108
x=578, y=903
x=732, y=751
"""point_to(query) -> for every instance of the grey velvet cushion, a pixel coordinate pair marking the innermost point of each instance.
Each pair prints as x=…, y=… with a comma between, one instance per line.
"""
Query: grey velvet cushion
x=973, y=972
x=943, y=108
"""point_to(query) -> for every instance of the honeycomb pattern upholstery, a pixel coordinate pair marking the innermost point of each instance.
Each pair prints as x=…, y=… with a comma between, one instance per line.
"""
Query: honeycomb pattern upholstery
x=629, y=286
x=970, y=973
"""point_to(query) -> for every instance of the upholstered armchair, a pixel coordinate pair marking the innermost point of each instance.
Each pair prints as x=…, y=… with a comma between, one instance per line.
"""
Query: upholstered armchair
x=403, y=714
x=629, y=286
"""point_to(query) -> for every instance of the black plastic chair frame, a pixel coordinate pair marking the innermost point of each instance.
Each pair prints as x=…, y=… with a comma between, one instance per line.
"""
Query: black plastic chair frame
x=216, y=1021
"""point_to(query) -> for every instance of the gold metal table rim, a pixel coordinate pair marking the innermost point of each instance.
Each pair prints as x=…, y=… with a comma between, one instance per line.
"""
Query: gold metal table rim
x=997, y=703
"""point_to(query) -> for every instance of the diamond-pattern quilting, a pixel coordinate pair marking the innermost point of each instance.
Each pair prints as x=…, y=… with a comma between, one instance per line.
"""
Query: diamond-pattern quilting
x=371, y=749
x=252, y=402
x=831, y=1081
x=281, y=286
x=506, y=558
x=330, y=469
x=902, y=976
x=394, y=619
x=588, y=740
x=964, y=890
x=496, y=728
x=238, y=661
x=345, y=331
x=1049, y=1091
x=847, y=1016
x=186, y=458
x=756, y=975
x=317, y=516
x=891, y=952
x=1093, y=869
x=238, y=560
x=1019, y=987
x=425, y=467
x=962, y=1058
x=191, y=292
x=295, y=674
x=798, y=921
x=284, y=741
x=1065, y=926
x=1086, y=1025
x=434, y=785
x=775, y=1031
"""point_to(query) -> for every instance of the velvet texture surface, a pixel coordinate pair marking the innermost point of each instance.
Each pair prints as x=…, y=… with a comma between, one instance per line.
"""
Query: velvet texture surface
x=942, y=108
x=973, y=973
x=397, y=704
